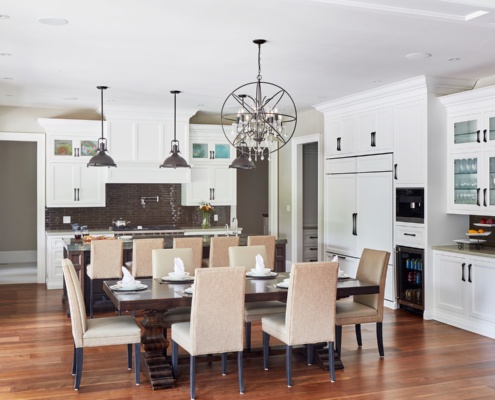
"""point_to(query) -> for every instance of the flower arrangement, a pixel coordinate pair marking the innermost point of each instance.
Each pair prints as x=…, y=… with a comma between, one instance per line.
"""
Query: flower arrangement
x=206, y=209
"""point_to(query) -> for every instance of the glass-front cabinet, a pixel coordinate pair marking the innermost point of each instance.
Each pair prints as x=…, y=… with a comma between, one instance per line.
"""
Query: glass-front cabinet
x=473, y=130
x=472, y=182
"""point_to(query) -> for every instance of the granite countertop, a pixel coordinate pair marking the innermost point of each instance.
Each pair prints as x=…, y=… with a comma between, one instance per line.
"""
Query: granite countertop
x=186, y=230
x=468, y=250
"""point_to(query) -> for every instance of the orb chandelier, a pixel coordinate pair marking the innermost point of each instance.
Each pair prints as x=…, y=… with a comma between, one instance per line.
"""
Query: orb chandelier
x=101, y=159
x=175, y=160
x=264, y=121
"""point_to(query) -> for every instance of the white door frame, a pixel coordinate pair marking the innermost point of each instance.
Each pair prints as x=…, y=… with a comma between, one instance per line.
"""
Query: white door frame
x=39, y=139
x=297, y=197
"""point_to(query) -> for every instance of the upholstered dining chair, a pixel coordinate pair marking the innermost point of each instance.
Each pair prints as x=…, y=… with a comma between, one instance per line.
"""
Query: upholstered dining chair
x=365, y=308
x=162, y=261
x=105, y=331
x=310, y=315
x=219, y=250
x=245, y=256
x=269, y=243
x=141, y=256
x=105, y=263
x=216, y=324
x=194, y=243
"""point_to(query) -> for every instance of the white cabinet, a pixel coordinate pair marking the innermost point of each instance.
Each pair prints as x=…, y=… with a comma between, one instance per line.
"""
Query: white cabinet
x=340, y=136
x=310, y=244
x=69, y=181
x=54, y=257
x=74, y=185
x=409, y=234
x=349, y=265
x=463, y=291
x=212, y=180
x=472, y=130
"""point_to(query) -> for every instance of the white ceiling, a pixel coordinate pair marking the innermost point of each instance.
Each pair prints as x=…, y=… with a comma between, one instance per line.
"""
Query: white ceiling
x=316, y=50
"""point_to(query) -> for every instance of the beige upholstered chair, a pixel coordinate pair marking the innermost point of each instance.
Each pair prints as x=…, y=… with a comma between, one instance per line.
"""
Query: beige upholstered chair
x=245, y=256
x=219, y=250
x=141, y=255
x=310, y=315
x=269, y=243
x=100, y=331
x=216, y=324
x=106, y=263
x=162, y=261
x=365, y=308
x=194, y=243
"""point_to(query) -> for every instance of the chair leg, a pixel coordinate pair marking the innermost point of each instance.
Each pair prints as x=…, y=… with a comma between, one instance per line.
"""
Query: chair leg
x=248, y=336
x=266, y=344
x=193, y=377
x=175, y=359
x=91, y=298
x=74, y=361
x=288, y=364
x=331, y=362
x=338, y=338
x=129, y=356
x=357, y=327
x=240, y=367
x=224, y=364
x=309, y=349
x=137, y=362
x=79, y=365
x=379, y=338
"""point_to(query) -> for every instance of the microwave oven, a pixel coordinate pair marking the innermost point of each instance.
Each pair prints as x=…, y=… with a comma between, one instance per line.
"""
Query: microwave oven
x=409, y=205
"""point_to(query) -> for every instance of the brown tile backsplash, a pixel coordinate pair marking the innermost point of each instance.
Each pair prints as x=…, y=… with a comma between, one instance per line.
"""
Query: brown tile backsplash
x=124, y=201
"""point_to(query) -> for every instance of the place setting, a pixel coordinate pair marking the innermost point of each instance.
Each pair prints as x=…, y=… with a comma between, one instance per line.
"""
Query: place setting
x=179, y=275
x=128, y=284
x=259, y=271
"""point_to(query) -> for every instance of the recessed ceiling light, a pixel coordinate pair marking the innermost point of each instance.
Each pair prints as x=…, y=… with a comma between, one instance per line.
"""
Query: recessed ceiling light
x=377, y=81
x=9, y=95
x=7, y=78
x=3, y=16
x=453, y=59
x=200, y=105
x=417, y=56
x=53, y=21
x=6, y=54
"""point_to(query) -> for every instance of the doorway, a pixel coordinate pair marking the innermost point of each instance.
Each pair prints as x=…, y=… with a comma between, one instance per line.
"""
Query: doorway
x=37, y=220
x=313, y=184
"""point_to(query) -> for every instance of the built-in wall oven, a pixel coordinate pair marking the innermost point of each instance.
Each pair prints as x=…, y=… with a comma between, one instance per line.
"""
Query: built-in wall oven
x=409, y=205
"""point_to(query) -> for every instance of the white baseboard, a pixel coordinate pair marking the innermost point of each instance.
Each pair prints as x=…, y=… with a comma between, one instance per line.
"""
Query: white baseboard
x=24, y=256
x=54, y=283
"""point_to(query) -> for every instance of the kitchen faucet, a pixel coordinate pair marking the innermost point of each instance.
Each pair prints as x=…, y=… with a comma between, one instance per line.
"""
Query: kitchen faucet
x=234, y=224
x=227, y=228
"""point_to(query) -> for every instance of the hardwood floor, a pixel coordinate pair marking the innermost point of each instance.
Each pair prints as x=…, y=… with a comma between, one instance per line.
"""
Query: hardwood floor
x=423, y=359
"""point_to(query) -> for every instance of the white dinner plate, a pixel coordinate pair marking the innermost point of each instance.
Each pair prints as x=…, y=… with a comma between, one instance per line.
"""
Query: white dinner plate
x=252, y=275
x=180, y=279
x=283, y=285
x=189, y=290
x=120, y=288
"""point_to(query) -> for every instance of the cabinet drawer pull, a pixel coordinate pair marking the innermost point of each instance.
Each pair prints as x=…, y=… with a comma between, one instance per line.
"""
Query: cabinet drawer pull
x=373, y=139
x=213, y=189
x=478, y=136
x=410, y=234
x=484, y=135
x=313, y=237
x=478, y=197
x=462, y=278
x=313, y=248
x=484, y=197
x=338, y=144
x=395, y=171
x=469, y=273
x=75, y=194
x=354, y=224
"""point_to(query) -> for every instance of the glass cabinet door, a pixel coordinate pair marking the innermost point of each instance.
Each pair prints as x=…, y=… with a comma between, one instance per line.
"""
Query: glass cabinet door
x=467, y=185
x=489, y=191
x=467, y=131
x=489, y=128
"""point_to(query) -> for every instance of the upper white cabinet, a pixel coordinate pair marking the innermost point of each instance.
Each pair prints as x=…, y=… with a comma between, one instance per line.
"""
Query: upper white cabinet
x=139, y=140
x=69, y=146
x=212, y=180
x=471, y=146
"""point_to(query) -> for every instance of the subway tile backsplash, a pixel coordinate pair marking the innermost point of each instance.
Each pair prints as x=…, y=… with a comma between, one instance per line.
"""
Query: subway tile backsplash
x=124, y=201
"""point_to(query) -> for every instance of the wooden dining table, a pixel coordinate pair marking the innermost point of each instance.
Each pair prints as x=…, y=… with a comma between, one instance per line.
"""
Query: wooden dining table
x=160, y=297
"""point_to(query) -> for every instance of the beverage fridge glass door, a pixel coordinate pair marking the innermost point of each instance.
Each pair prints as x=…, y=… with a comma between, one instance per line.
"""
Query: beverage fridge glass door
x=410, y=277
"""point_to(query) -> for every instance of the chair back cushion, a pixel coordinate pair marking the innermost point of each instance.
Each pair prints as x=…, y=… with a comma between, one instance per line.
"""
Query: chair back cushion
x=245, y=256
x=162, y=261
x=141, y=255
x=76, y=302
x=106, y=259
x=310, y=315
x=373, y=268
x=194, y=243
x=217, y=310
x=219, y=250
x=269, y=243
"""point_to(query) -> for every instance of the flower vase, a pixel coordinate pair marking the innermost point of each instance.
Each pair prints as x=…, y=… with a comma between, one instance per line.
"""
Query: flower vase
x=206, y=221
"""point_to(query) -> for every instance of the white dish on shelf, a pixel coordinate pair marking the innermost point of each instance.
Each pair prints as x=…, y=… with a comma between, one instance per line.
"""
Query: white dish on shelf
x=478, y=234
x=126, y=238
x=469, y=241
x=485, y=225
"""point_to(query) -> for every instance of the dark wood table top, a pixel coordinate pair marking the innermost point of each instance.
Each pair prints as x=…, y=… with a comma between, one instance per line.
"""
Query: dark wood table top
x=164, y=296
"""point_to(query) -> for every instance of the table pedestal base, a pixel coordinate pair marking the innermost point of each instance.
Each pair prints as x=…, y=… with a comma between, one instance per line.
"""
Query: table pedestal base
x=321, y=358
x=154, y=363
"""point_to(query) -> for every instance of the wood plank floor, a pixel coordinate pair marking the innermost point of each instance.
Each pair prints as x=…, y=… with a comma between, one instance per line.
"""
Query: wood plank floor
x=423, y=359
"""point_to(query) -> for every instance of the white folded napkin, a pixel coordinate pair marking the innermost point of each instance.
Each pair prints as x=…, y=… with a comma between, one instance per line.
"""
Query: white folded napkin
x=127, y=278
x=178, y=266
x=335, y=259
x=260, y=264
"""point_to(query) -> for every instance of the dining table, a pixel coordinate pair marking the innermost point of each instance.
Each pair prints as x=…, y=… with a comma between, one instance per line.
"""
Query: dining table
x=156, y=296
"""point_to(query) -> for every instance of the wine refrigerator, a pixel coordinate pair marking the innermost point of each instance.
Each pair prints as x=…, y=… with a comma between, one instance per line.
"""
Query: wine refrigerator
x=410, y=268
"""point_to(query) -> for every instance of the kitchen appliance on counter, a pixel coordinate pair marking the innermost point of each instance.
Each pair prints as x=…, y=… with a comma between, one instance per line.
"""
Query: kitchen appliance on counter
x=409, y=205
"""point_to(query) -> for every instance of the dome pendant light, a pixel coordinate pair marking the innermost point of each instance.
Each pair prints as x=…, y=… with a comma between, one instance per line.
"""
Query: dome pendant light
x=175, y=160
x=101, y=159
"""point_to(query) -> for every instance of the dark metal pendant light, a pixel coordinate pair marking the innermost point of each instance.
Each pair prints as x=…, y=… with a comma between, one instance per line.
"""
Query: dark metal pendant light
x=243, y=161
x=101, y=159
x=175, y=160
